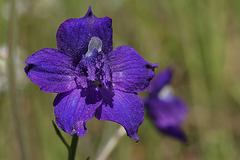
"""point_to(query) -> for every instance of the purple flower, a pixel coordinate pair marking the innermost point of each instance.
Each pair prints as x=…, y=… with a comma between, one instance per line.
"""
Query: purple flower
x=91, y=79
x=165, y=109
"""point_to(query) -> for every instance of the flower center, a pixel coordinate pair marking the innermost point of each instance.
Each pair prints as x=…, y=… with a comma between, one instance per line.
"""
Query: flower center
x=94, y=67
x=94, y=44
x=165, y=92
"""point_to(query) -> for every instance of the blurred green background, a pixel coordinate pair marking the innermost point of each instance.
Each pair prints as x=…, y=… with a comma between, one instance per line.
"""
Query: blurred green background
x=200, y=38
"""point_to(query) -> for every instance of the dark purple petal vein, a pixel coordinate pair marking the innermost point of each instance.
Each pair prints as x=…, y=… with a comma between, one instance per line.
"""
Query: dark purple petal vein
x=130, y=72
x=52, y=70
x=124, y=108
x=74, y=108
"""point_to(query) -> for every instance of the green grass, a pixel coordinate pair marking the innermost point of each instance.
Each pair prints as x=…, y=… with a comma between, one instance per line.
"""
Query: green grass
x=199, y=38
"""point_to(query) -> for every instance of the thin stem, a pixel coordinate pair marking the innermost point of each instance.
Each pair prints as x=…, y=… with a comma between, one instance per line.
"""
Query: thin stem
x=72, y=150
x=111, y=144
x=60, y=135
x=15, y=108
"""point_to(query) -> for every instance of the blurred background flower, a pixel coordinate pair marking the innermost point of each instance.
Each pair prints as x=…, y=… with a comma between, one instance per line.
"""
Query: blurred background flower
x=166, y=110
x=200, y=38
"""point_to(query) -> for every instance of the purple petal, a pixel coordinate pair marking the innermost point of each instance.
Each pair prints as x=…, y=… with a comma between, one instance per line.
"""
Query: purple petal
x=73, y=35
x=167, y=114
x=160, y=81
x=74, y=108
x=130, y=72
x=123, y=108
x=52, y=70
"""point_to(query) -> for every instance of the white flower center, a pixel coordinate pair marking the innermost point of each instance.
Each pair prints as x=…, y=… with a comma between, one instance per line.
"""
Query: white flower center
x=165, y=92
x=95, y=43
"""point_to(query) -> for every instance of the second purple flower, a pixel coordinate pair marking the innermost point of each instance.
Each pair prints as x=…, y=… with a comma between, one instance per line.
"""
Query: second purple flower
x=166, y=110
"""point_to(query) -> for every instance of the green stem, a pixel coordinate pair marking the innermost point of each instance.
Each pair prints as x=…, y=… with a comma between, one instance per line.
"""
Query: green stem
x=60, y=136
x=73, y=147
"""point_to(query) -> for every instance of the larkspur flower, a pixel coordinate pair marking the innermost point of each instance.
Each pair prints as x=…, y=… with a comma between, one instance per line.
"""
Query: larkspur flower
x=91, y=79
x=166, y=110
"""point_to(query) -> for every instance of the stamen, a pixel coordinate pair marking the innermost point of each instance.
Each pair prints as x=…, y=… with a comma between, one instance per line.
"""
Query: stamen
x=95, y=43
